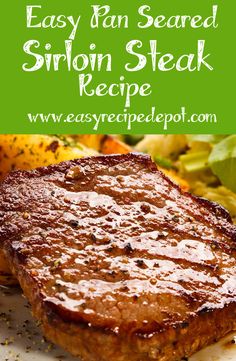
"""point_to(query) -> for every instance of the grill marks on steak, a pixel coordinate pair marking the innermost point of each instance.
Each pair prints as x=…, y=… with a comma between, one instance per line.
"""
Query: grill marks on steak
x=112, y=243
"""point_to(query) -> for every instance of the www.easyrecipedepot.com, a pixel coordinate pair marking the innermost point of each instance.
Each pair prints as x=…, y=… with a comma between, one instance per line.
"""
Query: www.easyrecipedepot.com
x=164, y=119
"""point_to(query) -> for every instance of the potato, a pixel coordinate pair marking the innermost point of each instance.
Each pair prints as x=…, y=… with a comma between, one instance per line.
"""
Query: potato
x=89, y=140
x=105, y=144
x=112, y=145
x=32, y=151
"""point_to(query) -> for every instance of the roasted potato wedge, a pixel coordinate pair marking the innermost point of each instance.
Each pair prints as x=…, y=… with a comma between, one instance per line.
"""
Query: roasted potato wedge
x=32, y=151
x=105, y=144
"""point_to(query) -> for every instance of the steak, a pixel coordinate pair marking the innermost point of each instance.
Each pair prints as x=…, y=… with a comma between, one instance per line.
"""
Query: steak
x=117, y=261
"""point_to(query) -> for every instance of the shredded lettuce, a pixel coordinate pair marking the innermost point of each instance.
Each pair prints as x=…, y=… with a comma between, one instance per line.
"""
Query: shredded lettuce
x=163, y=162
x=193, y=162
x=206, y=138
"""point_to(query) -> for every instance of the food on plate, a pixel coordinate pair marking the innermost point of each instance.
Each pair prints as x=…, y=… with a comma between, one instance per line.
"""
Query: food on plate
x=104, y=144
x=26, y=151
x=223, y=161
x=206, y=162
x=6, y=277
x=18, y=151
x=118, y=262
x=31, y=151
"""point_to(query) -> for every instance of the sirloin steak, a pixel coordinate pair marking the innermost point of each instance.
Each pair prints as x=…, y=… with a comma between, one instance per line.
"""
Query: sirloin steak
x=118, y=262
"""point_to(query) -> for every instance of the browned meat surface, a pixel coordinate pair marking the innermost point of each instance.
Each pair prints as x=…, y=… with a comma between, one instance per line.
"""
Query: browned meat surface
x=117, y=262
x=6, y=277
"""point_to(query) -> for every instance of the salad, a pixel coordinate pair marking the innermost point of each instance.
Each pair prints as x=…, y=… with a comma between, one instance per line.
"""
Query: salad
x=206, y=162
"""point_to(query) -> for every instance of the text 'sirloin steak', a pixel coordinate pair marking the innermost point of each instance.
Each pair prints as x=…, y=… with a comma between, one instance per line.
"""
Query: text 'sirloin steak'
x=117, y=262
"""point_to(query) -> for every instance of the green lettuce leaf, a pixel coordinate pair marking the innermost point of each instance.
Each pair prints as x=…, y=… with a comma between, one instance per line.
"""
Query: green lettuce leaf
x=194, y=162
x=223, y=162
x=206, y=138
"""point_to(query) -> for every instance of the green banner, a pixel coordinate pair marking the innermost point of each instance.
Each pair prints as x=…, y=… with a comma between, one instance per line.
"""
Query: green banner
x=164, y=66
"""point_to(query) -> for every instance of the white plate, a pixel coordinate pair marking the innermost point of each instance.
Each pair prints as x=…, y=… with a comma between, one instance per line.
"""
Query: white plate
x=21, y=339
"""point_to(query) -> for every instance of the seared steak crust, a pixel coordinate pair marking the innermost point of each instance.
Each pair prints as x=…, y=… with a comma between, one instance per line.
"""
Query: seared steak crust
x=117, y=262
